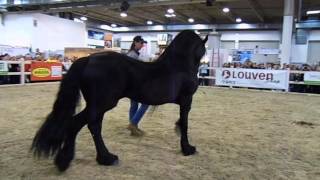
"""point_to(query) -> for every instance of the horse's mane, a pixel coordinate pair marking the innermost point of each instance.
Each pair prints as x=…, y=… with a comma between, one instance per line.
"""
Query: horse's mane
x=180, y=44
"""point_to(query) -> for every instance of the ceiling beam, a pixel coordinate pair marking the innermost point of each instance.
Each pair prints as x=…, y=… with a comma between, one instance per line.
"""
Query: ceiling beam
x=255, y=6
x=111, y=3
x=179, y=16
x=115, y=19
x=229, y=15
x=145, y=13
x=98, y=18
x=131, y=16
x=50, y=5
x=207, y=17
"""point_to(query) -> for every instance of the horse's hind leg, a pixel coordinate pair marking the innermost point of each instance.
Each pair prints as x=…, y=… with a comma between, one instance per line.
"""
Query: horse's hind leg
x=66, y=153
x=104, y=157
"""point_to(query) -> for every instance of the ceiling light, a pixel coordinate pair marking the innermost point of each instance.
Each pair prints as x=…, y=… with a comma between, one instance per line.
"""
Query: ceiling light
x=77, y=20
x=113, y=25
x=83, y=18
x=149, y=22
x=106, y=27
x=238, y=20
x=171, y=11
x=313, y=12
x=123, y=14
x=191, y=20
x=225, y=10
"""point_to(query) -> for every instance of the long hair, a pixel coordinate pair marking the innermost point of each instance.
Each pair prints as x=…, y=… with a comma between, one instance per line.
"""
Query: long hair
x=51, y=135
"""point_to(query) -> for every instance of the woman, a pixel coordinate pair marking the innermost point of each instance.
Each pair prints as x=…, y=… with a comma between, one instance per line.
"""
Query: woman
x=136, y=112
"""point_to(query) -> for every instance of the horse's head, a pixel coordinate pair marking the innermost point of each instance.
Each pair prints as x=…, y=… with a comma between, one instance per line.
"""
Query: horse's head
x=187, y=49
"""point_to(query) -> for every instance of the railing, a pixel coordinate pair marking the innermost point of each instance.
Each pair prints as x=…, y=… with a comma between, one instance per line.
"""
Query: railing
x=22, y=73
x=290, y=82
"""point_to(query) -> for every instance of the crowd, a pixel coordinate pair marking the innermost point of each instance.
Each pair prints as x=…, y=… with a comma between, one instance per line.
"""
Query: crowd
x=273, y=66
x=36, y=56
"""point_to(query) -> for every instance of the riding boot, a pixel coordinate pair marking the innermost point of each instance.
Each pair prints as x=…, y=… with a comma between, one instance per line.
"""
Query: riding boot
x=135, y=131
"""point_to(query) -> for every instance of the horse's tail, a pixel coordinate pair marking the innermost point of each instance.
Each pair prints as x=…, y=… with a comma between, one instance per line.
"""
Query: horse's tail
x=51, y=135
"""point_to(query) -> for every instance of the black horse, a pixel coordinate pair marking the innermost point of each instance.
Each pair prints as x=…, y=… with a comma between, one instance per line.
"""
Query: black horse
x=103, y=79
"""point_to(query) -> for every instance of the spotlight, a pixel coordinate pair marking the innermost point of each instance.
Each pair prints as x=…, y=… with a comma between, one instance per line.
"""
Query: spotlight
x=170, y=11
x=113, y=25
x=124, y=6
x=84, y=18
x=225, y=10
x=191, y=20
x=149, y=22
x=123, y=14
x=238, y=20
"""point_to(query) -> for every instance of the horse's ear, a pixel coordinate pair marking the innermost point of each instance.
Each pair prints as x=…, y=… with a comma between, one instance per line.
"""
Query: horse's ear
x=205, y=39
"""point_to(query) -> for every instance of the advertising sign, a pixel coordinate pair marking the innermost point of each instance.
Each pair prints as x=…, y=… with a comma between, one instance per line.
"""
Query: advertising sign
x=312, y=78
x=3, y=68
x=256, y=78
x=46, y=71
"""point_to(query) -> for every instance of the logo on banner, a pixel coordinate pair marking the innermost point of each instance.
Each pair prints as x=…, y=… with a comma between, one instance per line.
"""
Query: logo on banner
x=41, y=72
x=226, y=74
x=257, y=78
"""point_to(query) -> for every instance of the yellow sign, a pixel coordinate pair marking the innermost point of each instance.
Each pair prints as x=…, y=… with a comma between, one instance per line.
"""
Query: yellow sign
x=41, y=72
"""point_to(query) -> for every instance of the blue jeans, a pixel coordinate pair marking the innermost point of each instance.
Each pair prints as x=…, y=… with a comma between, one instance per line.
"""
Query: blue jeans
x=136, y=113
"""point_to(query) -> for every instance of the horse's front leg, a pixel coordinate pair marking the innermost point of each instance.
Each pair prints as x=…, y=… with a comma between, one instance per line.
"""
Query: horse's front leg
x=185, y=106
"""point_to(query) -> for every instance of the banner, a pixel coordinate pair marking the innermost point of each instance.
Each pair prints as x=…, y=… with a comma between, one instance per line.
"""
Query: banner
x=312, y=78
x=256, y=78
x=3, y=68
x=46, y=71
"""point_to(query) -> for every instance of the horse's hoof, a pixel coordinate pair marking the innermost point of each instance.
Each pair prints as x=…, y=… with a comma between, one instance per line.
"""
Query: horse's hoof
x=109, y=160
x=189, y=150
x=62, y=161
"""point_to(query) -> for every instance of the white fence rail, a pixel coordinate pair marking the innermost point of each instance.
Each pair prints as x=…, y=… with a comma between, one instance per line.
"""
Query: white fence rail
x=23, y=74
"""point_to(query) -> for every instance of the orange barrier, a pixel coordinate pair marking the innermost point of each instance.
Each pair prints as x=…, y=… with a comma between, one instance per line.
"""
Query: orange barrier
x=46, y=71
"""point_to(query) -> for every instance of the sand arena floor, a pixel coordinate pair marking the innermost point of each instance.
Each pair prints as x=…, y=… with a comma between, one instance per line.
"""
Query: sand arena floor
x=239, y=134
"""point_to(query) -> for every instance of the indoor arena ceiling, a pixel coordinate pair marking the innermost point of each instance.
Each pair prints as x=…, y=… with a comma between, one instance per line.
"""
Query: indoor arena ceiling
x=140, y=11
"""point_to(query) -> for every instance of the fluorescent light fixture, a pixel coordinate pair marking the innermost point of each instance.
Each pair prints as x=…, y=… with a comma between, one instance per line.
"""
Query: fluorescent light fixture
x=225, y=10
x=243, y=26
x=149, y=22
x=191, y=20
x=158, y=27
x=106, y=27
x=113, y=25
x=171, y=11
x=123, y=14
x=77, y=20
x=84, y=18
x=313, y=12
x=238, y=20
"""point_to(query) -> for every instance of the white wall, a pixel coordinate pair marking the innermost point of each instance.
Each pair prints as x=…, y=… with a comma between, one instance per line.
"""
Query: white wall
x=314, y=35
x=16, y=30
x=53, y=33
x=250, y=35
x=49, y=33
x=299, y=52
